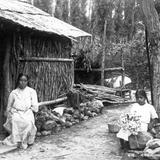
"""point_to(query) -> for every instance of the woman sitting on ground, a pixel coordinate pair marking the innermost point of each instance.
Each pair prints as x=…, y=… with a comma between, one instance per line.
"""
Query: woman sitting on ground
x=20, y=123
x=145, y=111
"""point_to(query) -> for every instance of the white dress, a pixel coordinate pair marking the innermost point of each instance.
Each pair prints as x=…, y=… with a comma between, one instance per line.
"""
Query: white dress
x=20, y=121
x=146, y=113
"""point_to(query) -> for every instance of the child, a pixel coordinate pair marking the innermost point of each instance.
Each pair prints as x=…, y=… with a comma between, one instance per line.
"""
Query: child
x=145, y=111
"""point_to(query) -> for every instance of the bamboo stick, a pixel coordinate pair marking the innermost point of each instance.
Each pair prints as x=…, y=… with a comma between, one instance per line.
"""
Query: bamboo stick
x=52, y=101
x=46, y=59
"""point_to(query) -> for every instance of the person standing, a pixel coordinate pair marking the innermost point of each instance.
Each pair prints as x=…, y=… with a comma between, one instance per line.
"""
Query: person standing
x=20, y=123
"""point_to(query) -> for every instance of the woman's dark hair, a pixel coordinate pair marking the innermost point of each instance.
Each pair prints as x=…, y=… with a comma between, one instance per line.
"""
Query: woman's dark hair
x=141, y=92
x=19, y=77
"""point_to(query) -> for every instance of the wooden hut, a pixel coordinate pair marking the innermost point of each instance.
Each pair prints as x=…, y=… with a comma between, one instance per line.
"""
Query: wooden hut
x=32, y=41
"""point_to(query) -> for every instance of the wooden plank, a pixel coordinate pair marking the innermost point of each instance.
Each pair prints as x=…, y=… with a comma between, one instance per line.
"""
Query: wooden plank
x=42, y=59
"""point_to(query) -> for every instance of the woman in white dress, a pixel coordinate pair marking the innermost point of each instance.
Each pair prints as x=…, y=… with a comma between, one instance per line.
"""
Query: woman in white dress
x=20, y=123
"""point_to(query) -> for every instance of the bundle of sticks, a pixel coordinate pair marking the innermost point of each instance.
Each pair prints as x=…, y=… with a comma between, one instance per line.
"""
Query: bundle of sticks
x=105, y=94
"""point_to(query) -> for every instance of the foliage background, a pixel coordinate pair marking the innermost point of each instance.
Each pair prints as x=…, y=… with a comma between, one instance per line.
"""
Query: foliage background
x=125, y=35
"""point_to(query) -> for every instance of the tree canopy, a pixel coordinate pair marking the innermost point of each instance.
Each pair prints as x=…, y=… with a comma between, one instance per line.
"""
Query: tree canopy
x=125, y=32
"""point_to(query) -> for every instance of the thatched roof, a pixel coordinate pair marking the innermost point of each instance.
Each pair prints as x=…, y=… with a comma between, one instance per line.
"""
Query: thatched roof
x=31, y=17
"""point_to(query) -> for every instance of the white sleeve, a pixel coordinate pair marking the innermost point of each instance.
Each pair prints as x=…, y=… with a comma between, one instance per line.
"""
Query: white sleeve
x=34, y=101
x=10, y=102
x=153, y=113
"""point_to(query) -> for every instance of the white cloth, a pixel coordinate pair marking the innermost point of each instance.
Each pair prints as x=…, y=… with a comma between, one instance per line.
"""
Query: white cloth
x=146, y=113
x=59, y=110
x=123, y=134
x=20, y=121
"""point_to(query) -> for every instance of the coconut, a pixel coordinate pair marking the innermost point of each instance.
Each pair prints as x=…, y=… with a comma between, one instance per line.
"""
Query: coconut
x=46, y=133
x=38, y=134
x=89, y=114
x=68, y=124
x=86, y=117
x=49, y=125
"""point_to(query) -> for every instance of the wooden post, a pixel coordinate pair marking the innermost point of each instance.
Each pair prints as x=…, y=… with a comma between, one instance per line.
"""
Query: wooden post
x=6, y=76
x=123, y=72
x=103, y=54
x=72, y=71
x=149, y=65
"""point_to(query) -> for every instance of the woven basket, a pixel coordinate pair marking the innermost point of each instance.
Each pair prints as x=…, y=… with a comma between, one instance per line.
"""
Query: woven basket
x=113, y=128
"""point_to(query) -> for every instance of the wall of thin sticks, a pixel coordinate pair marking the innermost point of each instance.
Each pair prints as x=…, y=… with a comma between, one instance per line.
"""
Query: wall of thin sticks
x=50, y=78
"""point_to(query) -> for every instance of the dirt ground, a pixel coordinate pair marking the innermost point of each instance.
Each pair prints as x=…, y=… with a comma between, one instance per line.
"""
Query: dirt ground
x=89, y=140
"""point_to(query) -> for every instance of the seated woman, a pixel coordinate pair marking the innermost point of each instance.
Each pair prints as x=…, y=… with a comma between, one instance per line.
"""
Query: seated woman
x=20, y=123
x=145, y=111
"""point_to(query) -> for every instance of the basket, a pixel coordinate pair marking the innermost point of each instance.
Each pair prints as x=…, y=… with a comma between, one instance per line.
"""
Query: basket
x=113, y=128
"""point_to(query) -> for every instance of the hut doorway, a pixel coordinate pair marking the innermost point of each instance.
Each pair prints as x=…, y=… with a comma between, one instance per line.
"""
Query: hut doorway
x=2, y=82
x=5, y=76
x=1, y=92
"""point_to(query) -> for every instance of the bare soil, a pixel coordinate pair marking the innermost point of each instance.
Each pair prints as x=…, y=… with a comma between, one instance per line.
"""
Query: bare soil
x=89, y=140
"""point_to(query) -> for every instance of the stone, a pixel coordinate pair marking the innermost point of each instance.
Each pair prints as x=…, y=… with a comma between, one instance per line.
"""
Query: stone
x=139, y=141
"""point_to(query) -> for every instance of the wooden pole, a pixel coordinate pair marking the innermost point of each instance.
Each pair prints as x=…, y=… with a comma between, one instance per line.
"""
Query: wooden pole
x=32, y=59
x=149, y=65
x=72, y=71
x=6, y=71
x=123, y=72
x=52, y=101
x=103, y=54
x=6, y=75
x=99, y=70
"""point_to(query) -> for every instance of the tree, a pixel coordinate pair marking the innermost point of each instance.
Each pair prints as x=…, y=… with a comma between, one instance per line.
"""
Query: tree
x=152, y=23
x=46, y=5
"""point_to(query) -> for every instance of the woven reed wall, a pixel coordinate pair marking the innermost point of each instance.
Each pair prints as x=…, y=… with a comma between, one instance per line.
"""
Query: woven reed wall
x=50, y=78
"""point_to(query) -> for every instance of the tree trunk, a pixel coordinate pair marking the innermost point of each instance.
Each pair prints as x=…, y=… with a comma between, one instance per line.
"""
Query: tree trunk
x=103, y=54
x=53, y=7
x=151, y=20
x=156, y=83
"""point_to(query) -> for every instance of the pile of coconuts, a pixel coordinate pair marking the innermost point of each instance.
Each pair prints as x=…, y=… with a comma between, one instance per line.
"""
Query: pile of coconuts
x=50, y=121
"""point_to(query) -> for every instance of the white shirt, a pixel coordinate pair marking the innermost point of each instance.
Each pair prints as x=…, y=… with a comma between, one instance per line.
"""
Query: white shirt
x=23, y=99
x=146, y=112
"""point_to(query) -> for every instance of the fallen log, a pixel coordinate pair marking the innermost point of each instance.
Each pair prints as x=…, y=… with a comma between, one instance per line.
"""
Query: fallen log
x=52, y=101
